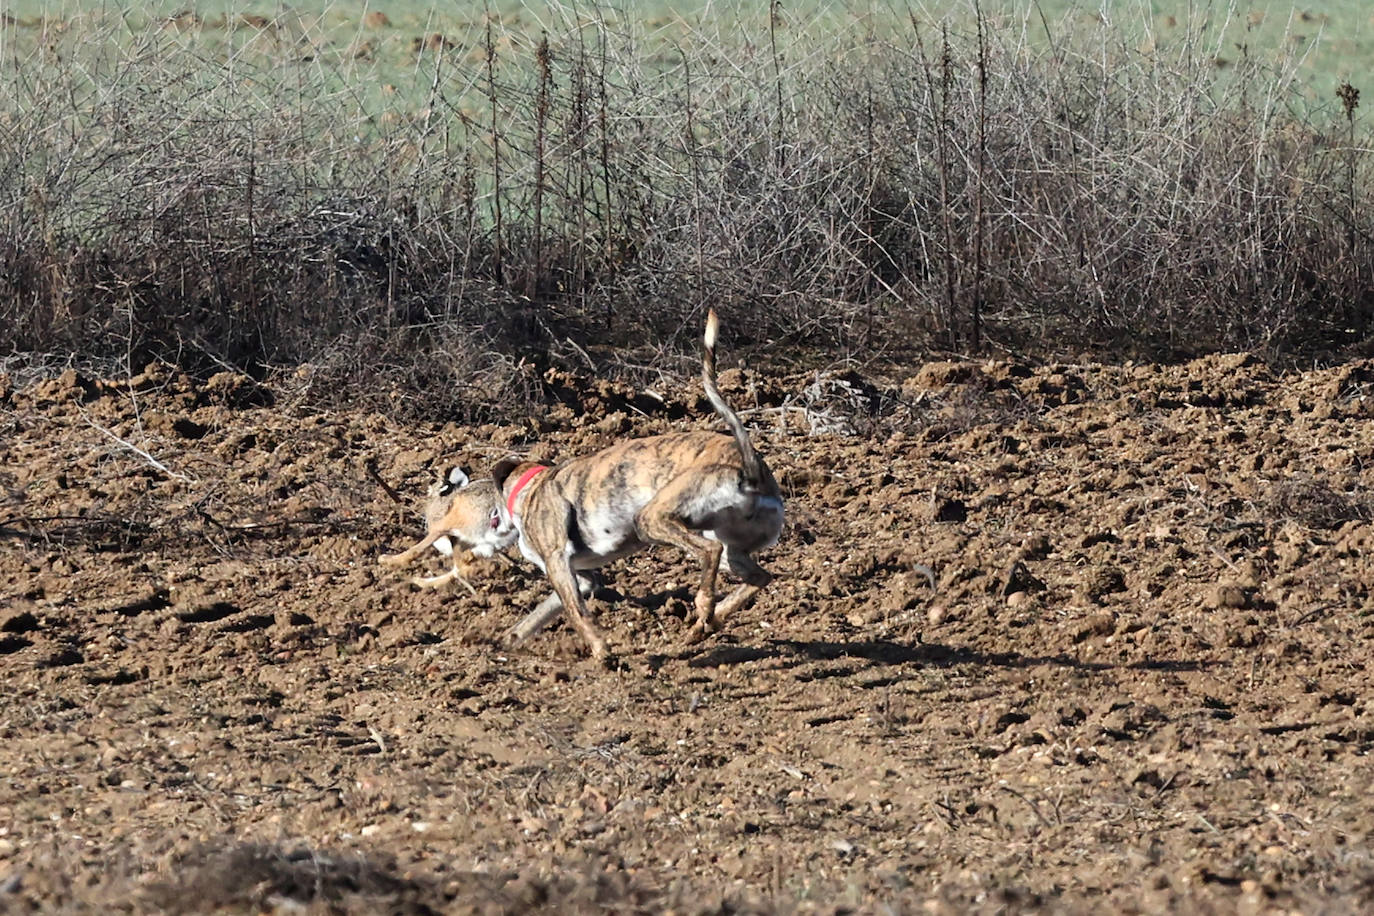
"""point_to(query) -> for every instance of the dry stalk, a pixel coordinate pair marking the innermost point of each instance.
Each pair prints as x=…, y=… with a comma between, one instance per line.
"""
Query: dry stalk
x=129, y=446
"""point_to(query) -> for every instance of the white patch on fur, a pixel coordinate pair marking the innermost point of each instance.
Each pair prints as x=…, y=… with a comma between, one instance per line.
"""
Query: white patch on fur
x=748, y=523
x=529, y=553
x=610, y=529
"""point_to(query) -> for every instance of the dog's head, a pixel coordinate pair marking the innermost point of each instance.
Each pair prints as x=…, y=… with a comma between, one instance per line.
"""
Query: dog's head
x=469, y=512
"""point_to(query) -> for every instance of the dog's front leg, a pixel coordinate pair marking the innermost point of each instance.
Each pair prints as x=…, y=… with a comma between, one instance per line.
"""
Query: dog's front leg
x=542, y=615
x=550, y=543
x=565, y=587
x=545, y=612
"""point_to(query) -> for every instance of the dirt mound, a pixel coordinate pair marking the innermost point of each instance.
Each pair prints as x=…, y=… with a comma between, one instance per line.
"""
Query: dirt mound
x=1138, y=683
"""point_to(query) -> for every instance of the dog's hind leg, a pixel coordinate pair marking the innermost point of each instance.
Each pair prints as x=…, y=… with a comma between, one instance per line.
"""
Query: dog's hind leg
x=658, y=523
x=746, y=567
x=756, y=578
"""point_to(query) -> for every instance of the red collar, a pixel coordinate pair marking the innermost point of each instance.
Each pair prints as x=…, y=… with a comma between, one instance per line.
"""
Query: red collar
x=520, y=485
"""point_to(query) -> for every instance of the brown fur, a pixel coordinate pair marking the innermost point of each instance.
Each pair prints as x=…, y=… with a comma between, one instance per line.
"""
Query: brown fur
x=461, y=520
x=708, y=493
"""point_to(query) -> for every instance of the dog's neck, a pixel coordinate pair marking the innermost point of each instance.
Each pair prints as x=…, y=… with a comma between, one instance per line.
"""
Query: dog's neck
x=525, y=478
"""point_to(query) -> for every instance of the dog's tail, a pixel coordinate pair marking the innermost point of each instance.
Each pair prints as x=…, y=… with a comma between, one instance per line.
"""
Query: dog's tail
x=749, y=459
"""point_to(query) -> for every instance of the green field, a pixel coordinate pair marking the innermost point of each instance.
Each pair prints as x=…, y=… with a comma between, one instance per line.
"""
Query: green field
x=388, y=50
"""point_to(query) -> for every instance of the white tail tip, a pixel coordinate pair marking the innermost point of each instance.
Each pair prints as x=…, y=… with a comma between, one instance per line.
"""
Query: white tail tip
x=712, y=327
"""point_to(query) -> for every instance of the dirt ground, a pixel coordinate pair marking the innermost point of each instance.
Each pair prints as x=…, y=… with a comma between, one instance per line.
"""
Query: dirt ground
x=1140, y=684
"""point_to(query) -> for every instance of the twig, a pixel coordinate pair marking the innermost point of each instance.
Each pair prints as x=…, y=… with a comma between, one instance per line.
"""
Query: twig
x=6, y=531
x=370, y=467
x=1035, y=809
x=333, y=524
x=138, y=451
x=586, y=357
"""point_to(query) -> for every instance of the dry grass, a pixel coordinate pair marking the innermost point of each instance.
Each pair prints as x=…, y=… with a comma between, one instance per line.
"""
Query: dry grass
x=866, y=197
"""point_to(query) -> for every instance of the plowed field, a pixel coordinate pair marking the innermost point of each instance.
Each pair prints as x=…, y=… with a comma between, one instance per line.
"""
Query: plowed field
x=1139, y=683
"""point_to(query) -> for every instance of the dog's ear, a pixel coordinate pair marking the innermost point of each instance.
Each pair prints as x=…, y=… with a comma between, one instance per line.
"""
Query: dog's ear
x=503, y=469
x=455, y=478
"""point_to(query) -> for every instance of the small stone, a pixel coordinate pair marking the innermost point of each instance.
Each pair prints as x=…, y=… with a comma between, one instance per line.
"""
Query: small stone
x=1017, y=578
x=1228, y=595
x=1103, y=581
x=1103, y=624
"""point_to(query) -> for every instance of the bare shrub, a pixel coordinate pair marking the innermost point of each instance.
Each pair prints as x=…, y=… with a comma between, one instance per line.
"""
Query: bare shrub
x=1315, y=502
x=840, y=196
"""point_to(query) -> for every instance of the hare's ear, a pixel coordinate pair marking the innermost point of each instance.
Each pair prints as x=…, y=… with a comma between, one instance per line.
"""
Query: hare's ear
x=503, y=469
x=454, y=479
